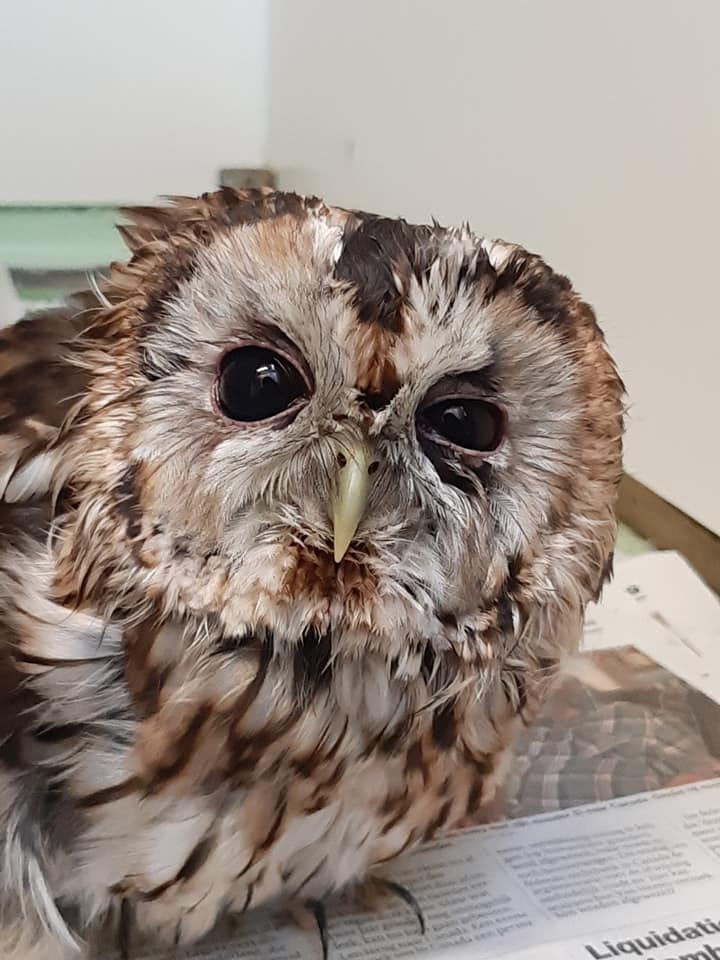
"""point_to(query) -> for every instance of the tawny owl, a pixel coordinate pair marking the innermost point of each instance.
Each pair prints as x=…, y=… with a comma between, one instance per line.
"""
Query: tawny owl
x=299, y=513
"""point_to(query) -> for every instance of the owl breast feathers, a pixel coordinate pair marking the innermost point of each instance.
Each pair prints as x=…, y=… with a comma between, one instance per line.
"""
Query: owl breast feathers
x=299, y=513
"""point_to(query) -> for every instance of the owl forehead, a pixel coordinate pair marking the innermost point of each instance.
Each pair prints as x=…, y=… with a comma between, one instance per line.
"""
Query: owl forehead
x=385, y=292
x=379, y=299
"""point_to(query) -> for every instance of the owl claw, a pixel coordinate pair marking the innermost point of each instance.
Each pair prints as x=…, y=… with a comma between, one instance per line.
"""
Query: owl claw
x=124, y=929
x=409, y=899
x=318, y=911
x=371, y=895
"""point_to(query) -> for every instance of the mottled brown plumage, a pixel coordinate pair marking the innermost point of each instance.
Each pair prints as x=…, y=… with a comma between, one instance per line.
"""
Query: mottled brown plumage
x=203, y=709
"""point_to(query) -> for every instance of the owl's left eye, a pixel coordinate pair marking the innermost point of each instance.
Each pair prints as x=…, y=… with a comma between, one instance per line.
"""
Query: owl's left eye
x=256, y=384
x=471, y=424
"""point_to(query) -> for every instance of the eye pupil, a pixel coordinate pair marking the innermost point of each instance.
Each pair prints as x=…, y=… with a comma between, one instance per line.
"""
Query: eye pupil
x=456, y=425
x=475, y=425
x=256, y=384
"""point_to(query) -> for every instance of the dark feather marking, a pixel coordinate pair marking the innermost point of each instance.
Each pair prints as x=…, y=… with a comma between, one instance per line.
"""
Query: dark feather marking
x=252, y=206
x=474, y=798
x=482, y=763
x=414, y=758
x=145, y=681
x=606, y=576
x=334, y=778
x=521, y=687
x=448, y=620
x=542, y=290
x=411, y=838
x=374, y=249
x=312, y=663
x=428, y=665
x=504, y=610
x=246, y=750
x=386, y=740
x=248, y=897
x=127, y=503
x=403, y=807
x=55, y=664
x=183, y=748
x=193, y=862
x=247, y=697
x=197, y=857
x=58, y=733
x=306, y=766
x=444, y=726
x=381, y=399
x=17, y=699
x=438, y=822
x=269, y=838
x=311, y=876
x=391, y=802
x=392, y=742
x=275, y=828
x=515, y=568
x=109, y=794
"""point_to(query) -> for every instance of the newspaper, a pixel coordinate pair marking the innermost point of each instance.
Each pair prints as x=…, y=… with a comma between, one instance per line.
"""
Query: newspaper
x=637, y=876
x=659, y=605
x=607, y=842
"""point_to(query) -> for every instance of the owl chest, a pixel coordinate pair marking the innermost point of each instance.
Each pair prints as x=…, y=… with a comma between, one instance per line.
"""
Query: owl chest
x=283, y=811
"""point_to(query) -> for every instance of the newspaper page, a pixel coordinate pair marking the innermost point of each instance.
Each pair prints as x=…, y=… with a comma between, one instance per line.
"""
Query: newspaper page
x=658, y=604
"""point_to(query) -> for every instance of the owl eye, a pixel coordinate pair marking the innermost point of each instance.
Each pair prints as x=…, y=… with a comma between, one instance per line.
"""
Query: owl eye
x=468, y=423
x=256, y=384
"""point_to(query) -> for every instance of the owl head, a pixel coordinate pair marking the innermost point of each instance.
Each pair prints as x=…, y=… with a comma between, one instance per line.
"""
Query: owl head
x=299, y=419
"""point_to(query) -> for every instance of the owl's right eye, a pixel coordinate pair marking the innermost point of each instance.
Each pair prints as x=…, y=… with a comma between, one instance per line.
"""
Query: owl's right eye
x=256, y=384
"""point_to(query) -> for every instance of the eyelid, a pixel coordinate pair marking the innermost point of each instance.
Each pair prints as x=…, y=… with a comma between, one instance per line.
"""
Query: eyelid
x=475, y=386
x=429, y=402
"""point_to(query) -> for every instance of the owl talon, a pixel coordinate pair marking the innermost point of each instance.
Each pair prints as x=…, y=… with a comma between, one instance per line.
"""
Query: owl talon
x=319, y=913
x=409, y=899
x=124, y=929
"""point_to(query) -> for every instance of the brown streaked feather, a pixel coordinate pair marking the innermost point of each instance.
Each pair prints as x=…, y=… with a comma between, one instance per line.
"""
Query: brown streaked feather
x=39, y=383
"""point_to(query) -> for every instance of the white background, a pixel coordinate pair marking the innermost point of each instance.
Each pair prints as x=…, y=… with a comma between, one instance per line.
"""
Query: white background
x=122, y=100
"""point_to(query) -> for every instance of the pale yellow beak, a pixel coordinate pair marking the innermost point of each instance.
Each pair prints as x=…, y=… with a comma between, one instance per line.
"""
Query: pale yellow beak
x=349, y=496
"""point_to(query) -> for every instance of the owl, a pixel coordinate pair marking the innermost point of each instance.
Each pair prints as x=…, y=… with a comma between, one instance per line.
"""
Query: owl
x=301, y=509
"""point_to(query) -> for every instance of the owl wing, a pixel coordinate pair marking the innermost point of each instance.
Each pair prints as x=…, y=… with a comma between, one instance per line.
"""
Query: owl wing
x=38, y=385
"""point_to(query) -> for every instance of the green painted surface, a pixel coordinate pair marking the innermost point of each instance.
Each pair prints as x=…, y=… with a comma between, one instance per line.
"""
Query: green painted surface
x=59, y=238
x=629, y=543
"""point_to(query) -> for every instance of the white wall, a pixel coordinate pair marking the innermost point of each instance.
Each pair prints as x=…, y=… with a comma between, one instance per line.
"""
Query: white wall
x=120, y=100
x=589, y=132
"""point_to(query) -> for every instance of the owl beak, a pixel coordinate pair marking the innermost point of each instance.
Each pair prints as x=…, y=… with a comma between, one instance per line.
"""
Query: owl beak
x=350, y=496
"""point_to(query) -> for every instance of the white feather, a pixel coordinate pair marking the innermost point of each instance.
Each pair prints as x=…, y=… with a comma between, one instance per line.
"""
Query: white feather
x=7, y=469
x=32, y=479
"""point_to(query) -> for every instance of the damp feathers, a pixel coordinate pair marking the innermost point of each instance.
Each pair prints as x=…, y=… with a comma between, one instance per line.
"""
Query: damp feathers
x=254, y=658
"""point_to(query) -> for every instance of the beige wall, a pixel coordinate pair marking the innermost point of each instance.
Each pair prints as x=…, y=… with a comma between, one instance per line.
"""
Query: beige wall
x=590, y=132
x=121, y=100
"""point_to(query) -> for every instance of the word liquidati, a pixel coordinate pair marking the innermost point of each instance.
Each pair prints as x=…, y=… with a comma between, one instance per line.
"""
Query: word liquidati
x=655, y=940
